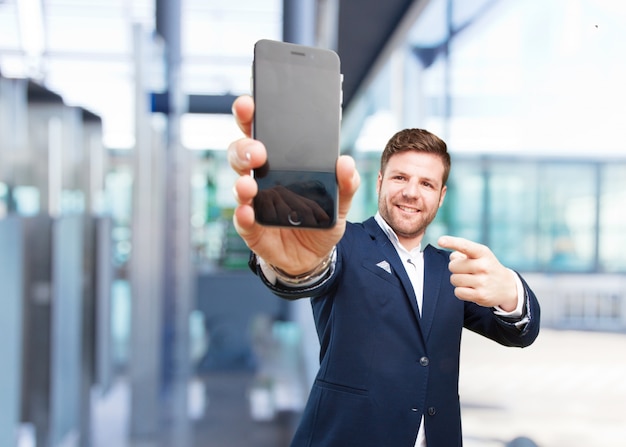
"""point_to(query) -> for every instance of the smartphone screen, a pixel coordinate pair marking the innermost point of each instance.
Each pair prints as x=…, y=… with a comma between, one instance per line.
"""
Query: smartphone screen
x=297, y=94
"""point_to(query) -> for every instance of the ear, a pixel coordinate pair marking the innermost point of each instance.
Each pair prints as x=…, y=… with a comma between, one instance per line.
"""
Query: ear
x=379, y=181
x=443, y=195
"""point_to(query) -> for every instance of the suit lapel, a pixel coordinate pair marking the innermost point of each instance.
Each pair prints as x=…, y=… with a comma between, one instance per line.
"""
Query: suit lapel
x=435, y=265
x=397, y=267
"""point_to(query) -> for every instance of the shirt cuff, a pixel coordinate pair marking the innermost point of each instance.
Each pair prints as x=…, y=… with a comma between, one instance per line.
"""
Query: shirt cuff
x=519, y=310
x=272, y=278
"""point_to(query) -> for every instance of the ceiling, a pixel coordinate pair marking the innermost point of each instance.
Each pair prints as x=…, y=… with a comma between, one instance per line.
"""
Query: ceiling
x=83, y=49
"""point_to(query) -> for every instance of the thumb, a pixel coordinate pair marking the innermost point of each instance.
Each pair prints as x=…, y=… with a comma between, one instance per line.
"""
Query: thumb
x=348, y=180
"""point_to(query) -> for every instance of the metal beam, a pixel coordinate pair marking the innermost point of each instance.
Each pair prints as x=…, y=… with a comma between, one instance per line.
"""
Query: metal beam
x=209, y=104
x=368, y=31
x=299, y=21
x=177, y=271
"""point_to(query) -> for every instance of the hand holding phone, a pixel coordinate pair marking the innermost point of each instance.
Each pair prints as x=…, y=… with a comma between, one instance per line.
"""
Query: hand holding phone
x=293, y=249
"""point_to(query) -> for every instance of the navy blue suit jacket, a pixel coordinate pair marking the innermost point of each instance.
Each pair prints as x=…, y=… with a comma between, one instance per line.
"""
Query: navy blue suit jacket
x=382, y=365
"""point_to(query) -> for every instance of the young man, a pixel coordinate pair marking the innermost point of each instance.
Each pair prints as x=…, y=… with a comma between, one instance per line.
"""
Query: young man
x=389, y=312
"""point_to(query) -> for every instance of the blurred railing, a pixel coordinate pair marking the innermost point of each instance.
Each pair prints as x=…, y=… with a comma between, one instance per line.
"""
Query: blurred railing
x=581, y=302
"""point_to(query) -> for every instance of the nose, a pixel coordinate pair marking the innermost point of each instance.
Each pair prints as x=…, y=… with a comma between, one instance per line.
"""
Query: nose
x=410, y=190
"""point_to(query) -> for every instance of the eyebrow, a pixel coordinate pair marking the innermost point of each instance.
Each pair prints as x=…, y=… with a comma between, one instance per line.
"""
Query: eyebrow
x=393, y=172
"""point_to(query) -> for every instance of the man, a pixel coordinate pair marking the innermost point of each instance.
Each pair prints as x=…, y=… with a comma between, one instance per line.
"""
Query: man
x=389, y=313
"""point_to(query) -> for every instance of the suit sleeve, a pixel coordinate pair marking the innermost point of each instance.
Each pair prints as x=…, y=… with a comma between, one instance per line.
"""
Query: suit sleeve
x=519, y=331
x=528, y=323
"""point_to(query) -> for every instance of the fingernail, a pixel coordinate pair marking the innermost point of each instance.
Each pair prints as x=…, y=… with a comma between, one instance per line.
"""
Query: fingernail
x=232, y=108
x=248, y=156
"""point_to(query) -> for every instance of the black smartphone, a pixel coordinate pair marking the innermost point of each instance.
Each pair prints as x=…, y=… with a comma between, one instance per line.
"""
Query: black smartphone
x=297, y=96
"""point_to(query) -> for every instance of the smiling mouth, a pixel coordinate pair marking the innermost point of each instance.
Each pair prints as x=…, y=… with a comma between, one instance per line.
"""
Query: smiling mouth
x=407, y=209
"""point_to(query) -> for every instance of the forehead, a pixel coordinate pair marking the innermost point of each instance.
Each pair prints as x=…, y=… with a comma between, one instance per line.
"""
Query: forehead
x=414, y=161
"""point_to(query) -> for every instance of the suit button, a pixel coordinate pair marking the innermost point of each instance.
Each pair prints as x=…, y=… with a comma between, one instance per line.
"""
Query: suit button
x=424, y=361
x=432, y=411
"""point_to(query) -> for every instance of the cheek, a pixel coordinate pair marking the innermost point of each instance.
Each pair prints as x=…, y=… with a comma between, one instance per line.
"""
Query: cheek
x=437, y=204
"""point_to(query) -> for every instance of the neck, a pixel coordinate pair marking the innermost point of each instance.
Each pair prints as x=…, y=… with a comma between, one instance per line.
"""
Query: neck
x=410, y=242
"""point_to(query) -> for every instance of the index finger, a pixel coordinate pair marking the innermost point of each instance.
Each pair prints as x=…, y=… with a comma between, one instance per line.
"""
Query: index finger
x=243, y=110
x=246, y=154
x=470, y=249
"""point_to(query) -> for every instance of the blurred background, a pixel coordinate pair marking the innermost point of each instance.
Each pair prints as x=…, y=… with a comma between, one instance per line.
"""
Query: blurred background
x=129, y=317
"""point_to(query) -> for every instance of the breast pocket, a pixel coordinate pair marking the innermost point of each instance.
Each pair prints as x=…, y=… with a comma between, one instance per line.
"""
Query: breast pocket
x=381, y=282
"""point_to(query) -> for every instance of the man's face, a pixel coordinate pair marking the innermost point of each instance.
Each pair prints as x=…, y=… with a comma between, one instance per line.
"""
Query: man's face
x=410, y=192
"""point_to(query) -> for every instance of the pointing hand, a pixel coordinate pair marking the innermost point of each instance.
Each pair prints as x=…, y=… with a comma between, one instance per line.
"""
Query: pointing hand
x=478, y=276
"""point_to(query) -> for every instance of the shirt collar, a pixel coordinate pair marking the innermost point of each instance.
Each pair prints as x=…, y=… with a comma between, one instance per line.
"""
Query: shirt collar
x=393, y=237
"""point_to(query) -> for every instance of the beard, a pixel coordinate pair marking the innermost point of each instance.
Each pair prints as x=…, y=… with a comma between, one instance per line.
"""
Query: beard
x=405, y=225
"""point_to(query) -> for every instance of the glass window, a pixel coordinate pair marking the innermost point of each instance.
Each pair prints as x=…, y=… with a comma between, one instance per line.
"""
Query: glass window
x=512, y=212
x=612, y=237
x=566, y=217
x=462, y=211
x=537, y=215
x=365, y=202
x=4, y=200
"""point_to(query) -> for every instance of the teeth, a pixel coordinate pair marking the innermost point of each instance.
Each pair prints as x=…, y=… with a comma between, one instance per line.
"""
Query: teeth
x=408, y=210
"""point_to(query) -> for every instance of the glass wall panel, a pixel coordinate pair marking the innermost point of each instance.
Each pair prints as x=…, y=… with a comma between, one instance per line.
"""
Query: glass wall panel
x=512, y=200
x=462, y=213
x=365, y=202
x=4, y=200
x=537, y=215
x=612, y=240
x=567, y=217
